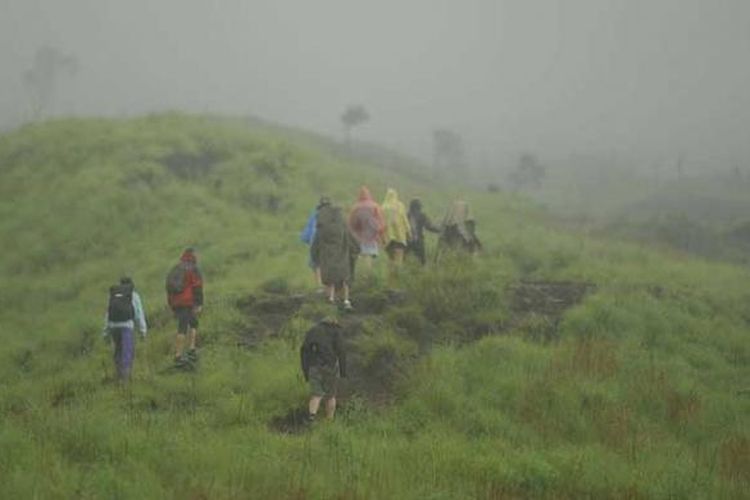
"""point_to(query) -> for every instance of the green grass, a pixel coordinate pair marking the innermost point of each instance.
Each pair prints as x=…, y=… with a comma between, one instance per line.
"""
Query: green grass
x=644, y=395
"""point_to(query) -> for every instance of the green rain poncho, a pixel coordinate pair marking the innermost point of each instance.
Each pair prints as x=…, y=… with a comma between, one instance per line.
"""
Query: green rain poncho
x=333, y=248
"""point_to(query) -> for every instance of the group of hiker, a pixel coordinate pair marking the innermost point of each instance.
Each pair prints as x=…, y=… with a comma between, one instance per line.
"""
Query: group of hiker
x=337, y=241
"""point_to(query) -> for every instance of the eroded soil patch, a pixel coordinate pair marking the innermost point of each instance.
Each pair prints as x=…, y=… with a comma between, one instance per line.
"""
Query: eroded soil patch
x=537, y=307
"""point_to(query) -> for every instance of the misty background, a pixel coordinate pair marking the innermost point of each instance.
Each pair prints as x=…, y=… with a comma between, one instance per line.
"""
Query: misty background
x=641, y=81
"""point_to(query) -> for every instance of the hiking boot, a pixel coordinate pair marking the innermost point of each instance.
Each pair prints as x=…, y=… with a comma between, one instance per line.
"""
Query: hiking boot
x=182, y=361
x=347, y=306
x=186, y=365
x=310, y=418
x=192, y=355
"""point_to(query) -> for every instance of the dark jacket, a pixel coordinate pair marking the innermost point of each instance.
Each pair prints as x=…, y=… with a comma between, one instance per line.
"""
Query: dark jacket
x=419, y=221
x=323, y=347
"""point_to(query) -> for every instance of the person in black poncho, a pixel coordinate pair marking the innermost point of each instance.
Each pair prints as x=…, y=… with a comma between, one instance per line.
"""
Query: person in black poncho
x=323, y=361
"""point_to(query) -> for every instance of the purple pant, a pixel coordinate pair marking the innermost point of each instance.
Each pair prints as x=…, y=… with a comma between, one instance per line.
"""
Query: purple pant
x=124, y=351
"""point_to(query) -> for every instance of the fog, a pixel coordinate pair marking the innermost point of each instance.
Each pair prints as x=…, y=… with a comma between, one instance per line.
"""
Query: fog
x=645, y=79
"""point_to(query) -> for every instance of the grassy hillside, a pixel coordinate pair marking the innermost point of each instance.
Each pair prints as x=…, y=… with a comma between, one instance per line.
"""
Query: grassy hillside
x=553, y=366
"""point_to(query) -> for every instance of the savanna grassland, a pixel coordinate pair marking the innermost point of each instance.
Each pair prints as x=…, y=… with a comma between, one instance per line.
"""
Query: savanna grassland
x=554, y=365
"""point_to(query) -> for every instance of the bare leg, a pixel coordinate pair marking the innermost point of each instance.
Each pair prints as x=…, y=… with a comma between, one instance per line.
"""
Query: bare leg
x=179, y=345
x=318, y=279
x=398, y=256
x=396, y=262
x=345, y=288
x=331, y=293
x=330, y=407
x=193, y=336
x=392, y=268
x=312, y=408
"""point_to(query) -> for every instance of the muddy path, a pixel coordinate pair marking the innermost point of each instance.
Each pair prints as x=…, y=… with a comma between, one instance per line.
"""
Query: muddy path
x=538, y=307
x=369, y=376
x=373, y=373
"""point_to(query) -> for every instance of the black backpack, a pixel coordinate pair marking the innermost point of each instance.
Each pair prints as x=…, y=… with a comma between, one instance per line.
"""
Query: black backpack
x=120, y=303
x=175, y=282
x=318, y=346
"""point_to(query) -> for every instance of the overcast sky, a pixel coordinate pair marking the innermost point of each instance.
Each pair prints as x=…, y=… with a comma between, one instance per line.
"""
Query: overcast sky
x=646, y=78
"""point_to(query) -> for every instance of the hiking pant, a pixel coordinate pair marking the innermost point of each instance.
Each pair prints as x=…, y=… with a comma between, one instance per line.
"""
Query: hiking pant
x=123, y=338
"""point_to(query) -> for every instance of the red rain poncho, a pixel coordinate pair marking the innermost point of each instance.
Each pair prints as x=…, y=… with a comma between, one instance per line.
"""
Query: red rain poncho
x=366, y=219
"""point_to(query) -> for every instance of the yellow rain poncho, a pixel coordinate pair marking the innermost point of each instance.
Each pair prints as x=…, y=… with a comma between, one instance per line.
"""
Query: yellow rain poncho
x=396, y=222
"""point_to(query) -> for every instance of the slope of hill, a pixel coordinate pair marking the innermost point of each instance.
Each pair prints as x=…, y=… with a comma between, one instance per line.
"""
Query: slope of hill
x=553, y=366
x=704, y=215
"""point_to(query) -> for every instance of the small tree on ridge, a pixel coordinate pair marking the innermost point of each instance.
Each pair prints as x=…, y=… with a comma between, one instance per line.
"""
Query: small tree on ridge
x=353, y=116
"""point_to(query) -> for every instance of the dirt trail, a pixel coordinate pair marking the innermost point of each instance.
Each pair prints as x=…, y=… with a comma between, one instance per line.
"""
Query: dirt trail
x=539, y=306
x=372, y=376
x=271, y=313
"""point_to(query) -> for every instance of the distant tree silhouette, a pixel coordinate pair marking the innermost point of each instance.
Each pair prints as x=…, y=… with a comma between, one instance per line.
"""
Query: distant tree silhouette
x=353, y=116
x=42, y=79
x=447, y=149
x=528, y=174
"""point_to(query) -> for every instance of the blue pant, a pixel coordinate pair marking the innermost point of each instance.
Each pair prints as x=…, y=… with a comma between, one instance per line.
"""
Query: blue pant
x=124, y=351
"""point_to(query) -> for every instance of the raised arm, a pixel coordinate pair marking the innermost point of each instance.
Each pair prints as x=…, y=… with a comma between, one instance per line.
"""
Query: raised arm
x=338, y=347
x=140, y=314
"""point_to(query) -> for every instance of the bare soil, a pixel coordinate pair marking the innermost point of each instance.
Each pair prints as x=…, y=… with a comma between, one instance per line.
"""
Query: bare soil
x=374, y=377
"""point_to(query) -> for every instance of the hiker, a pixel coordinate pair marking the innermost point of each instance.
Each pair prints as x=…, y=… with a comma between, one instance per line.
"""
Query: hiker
x=367, y=225
x=333, y=250
x=323, y=362
x=458, y=231
x=397, y=228
x=125, y=309
x=418, y=222
x=185, y=297
x=308, y=235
